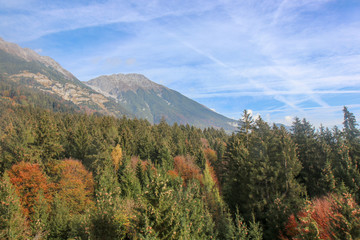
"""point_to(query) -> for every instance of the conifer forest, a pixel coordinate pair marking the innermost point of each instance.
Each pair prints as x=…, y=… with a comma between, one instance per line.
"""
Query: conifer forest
x=70, y=175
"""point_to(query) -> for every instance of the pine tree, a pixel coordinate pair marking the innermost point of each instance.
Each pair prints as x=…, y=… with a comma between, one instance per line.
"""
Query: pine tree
x=236, y=188
x=159, y=213
x=17, y=141
x=262, y=176
x=346, y=220
x=40, y=217
x=81, y=142
x=48, y=141
x=108, y=220
x=312, y=154
x=59, y=220
x=351, y=132
x=255, y=230
x=13, y=224
x=352, y=136
x=129, y=183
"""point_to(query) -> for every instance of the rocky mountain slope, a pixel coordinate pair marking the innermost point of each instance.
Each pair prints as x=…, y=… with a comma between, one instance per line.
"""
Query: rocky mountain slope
x=149, y=100
x=21, y=66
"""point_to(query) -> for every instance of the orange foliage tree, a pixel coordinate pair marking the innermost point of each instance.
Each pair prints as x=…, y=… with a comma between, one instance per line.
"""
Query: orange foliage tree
x=29, y=181
x=210, y=155
x=186, y=168
x=75, y=185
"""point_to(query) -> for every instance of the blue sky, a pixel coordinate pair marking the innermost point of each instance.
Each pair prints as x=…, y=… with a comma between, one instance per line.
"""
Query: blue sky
x=277, y=58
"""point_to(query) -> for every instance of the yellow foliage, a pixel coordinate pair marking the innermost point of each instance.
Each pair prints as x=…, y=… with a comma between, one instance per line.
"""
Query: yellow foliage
x=116, y=156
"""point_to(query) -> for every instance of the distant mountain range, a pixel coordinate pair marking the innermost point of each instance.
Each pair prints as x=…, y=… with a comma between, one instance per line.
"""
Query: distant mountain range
x=132, y=95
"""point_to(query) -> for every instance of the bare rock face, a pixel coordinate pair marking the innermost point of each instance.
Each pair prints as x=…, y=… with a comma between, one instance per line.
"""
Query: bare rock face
x=30, y=55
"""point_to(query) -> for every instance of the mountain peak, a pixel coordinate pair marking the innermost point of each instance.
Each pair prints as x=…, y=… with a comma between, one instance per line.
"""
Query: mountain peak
x=152, y=101
x=124, y=82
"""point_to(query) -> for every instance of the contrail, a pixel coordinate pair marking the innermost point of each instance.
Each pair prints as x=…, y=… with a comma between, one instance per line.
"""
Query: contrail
x=263, y=87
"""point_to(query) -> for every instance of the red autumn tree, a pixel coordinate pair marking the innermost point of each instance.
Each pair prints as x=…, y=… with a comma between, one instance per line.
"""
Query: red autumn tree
x=331, y=217
x=186, y=168
x=75, y=185
x=29, y=181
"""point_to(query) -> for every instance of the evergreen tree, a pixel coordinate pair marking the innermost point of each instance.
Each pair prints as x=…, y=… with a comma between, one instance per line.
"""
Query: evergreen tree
x=48, y=141
x=81, y=142
x=13, y=224
x=129, y=183
x=40, y=218
x=59, y=221
x=17, y=141
x=236, y=188
x=262, y=176
x=346, y=222
x=159, y=213
x=107, y=220
x=312, y=154
x=352, y=136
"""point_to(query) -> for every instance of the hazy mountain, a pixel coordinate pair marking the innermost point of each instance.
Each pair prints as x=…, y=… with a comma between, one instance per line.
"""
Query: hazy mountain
x=132, y=95
x=149, y=100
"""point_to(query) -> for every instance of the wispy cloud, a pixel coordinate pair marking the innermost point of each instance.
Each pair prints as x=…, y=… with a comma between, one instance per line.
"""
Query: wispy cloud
x=33, y=19
x=280, y=58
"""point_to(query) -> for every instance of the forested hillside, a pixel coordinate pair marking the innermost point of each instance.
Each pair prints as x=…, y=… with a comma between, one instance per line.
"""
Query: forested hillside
x=70, y=175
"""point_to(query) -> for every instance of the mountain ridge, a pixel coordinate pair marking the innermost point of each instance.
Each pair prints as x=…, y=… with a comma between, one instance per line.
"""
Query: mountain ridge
x=152, y=101
x=132, y=95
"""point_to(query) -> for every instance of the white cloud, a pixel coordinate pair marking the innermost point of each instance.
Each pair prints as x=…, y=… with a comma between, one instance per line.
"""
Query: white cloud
x=288, y=120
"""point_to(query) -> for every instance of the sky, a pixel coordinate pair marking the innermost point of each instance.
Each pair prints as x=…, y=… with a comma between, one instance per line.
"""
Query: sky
x=279, y=59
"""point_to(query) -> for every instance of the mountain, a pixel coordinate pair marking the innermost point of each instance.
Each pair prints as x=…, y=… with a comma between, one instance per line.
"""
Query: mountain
x=31, y=79
x=24, y=68
x=149, y=100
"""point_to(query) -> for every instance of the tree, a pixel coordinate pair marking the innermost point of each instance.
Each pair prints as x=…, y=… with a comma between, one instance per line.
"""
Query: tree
x=80, y=141
x=351, y=132
x=352, y=136
x=246, y=125
x=13, y=224
x=60, y=219
x=217, y=207
x=29, y=181
x=186, y=168
x=116, y=156
x=170, y=211
x=40, y=218
x=75, y=186
x=129, y=183
x=17, y=141
x=108, y=219
x=313, y=155
x=345, y=222
x=328, y=217
x=47, y=140
x=262, y=168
